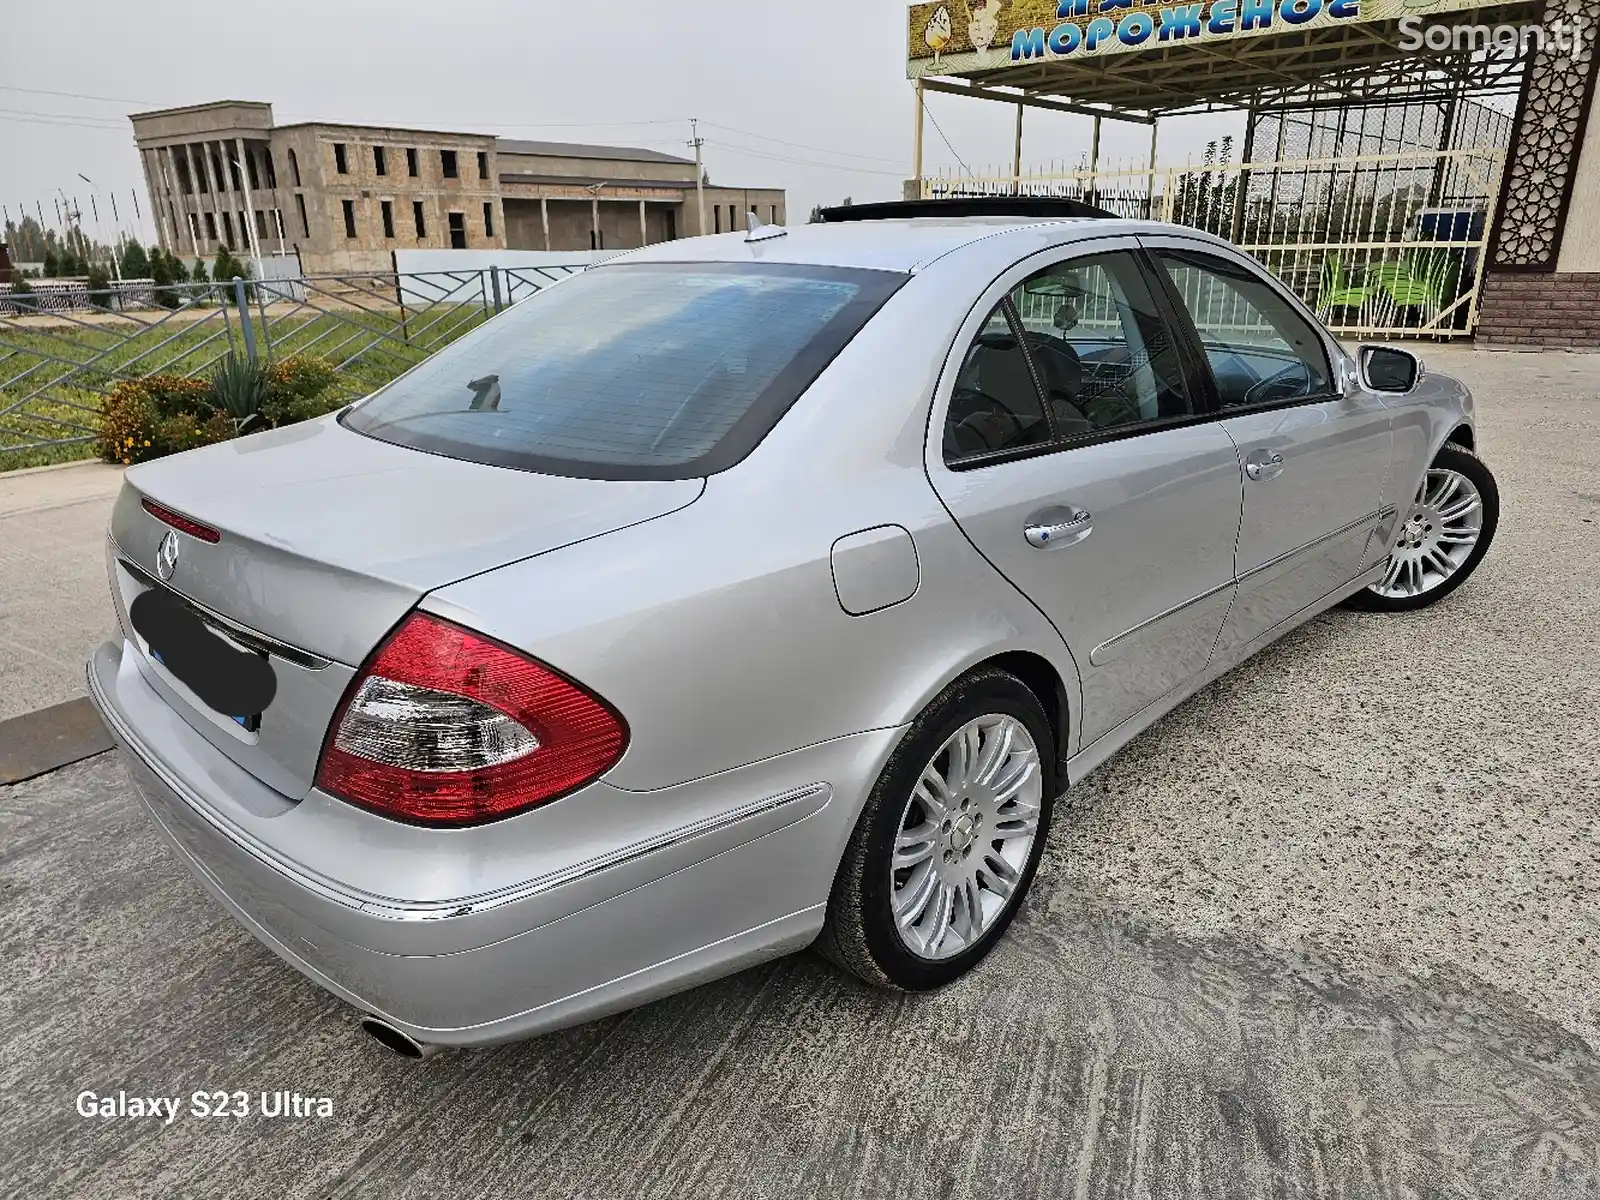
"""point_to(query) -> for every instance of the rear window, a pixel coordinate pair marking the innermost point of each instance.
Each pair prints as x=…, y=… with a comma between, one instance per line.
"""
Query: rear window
x=631, y=371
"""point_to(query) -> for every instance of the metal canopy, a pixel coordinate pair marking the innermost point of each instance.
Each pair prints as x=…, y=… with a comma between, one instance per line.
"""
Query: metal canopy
x=1356, y=63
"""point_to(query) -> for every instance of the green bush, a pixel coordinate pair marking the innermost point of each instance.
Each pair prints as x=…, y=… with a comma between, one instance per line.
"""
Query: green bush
x=299, y=388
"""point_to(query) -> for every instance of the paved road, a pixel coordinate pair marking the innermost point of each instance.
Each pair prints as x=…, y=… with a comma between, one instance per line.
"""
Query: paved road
x=1330, y=929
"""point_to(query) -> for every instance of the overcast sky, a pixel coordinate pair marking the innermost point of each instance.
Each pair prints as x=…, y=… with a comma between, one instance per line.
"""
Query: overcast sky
x=812, y=97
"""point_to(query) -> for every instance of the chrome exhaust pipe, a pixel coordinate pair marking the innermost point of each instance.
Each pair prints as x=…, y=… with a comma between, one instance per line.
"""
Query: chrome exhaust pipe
x=398, y=1040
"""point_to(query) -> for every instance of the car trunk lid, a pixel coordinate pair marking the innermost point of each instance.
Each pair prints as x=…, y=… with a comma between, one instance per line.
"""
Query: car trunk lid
x=327, y=538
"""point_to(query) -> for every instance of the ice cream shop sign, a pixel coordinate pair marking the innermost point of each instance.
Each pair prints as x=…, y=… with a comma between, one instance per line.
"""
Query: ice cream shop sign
x=955, y=37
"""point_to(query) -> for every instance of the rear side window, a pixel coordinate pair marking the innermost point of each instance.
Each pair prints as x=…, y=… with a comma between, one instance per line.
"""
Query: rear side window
x=631, y=371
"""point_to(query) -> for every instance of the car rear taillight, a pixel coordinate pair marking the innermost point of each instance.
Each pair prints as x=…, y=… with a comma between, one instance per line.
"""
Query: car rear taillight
x=447, y=727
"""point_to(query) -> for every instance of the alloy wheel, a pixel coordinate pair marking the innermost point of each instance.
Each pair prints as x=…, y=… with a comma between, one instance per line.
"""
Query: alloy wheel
x=965, y=836
x=1440, y=530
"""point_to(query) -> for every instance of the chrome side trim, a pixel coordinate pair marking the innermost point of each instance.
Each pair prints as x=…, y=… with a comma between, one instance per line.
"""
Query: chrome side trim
x=819, y=793
x=1105, y=651
x=241, y=633
x=1372, y=518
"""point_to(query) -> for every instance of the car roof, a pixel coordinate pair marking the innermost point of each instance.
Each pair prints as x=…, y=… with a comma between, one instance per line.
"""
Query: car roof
x=888, y=245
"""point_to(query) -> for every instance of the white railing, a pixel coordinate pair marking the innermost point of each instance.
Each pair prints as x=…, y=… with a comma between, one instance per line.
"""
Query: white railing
x=1391, y=245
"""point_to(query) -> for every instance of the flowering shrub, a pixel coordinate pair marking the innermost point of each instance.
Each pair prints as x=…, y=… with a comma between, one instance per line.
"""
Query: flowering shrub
x=159, y=415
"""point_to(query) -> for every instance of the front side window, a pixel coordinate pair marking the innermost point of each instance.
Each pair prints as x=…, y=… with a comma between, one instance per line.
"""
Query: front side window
x=631, y=371
x=1261, y=351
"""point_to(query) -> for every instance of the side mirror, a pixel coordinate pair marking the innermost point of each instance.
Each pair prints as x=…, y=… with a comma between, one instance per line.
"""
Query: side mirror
x=1389, y=369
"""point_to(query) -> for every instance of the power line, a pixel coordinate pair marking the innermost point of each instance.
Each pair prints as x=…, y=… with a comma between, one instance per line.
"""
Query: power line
x=6, y=87
x=802, y=145
x=23, y=117
x=802, y=162
x=924, y=103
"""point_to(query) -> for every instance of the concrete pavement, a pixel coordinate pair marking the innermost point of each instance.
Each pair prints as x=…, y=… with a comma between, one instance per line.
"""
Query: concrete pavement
x=54, y=602
x=1330, y=929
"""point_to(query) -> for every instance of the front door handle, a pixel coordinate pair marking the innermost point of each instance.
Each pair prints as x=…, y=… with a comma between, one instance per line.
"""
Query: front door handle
x=1263, y=465
x=1052, y=528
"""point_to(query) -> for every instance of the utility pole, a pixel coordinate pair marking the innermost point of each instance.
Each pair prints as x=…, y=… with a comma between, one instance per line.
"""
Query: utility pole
x=699, y=172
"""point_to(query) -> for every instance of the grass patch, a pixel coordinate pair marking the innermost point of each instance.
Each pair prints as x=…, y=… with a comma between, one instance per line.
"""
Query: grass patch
x=50, y=368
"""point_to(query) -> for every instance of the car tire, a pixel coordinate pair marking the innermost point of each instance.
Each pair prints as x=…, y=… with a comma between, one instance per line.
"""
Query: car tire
x=1412, y=582
x=861, y=932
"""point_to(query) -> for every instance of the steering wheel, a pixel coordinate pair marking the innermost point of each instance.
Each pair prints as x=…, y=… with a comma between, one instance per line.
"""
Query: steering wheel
x=1260, y=392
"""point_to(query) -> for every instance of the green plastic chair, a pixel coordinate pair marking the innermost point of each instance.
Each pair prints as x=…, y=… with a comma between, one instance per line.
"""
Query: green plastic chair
x=1335, y=290
x=1420, y=280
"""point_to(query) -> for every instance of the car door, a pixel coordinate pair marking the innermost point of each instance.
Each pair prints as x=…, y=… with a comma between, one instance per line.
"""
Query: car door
x=1075, y=457
x=1313, y=454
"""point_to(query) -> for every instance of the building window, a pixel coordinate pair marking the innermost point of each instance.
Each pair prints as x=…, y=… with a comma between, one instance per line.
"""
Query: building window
x=294, y=168
x=488, y=219
x=411, y=162
x=227, y=230
x=305, y=225
x=349, y=218
x=773, y=210
x=733, y=218
x=250, y=171
x=672, y=224
x=419, y=219
x=379, y=163
x=447, y=164
x=272, y=169
x=388, y=218
x=340, y=163
x=716, y=218
x=261, y=224
x=211, y=227
x=458, y=231
x=194, y=229
x=483, y=164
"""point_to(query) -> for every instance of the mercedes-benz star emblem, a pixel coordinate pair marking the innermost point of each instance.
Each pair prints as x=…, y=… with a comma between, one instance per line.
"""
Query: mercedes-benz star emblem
x=167, y=556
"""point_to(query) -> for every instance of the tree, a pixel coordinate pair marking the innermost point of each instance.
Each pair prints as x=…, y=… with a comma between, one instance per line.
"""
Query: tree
x=52, y=264
x=199, y=272
x=99, y=287
x=226, y=267
x=135, y=263
x=26, y=240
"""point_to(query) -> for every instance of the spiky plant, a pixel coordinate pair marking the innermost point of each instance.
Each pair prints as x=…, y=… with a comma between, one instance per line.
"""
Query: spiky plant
x=239, y=388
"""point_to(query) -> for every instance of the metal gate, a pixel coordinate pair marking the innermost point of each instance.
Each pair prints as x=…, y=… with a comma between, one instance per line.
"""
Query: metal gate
x=1388, y=245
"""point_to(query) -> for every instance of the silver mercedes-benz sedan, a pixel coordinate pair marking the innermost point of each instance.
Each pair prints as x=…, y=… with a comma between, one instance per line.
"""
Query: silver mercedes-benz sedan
x=745, y=593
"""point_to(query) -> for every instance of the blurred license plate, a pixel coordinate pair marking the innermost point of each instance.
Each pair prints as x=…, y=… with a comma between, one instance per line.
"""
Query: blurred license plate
x=251, y=723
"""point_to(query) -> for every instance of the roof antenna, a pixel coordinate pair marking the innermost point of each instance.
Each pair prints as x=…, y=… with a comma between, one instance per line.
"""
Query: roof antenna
x=759, y=232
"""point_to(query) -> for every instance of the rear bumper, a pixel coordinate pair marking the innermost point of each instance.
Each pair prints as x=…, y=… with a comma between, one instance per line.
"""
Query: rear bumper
x=642, y=918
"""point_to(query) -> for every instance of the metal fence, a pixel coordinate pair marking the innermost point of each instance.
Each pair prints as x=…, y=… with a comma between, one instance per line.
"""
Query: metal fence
x=60, y=353
x=1390, y=245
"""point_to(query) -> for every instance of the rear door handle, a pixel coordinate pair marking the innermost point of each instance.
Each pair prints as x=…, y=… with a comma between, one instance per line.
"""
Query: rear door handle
x=1052, y=528
x=1263, y=465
